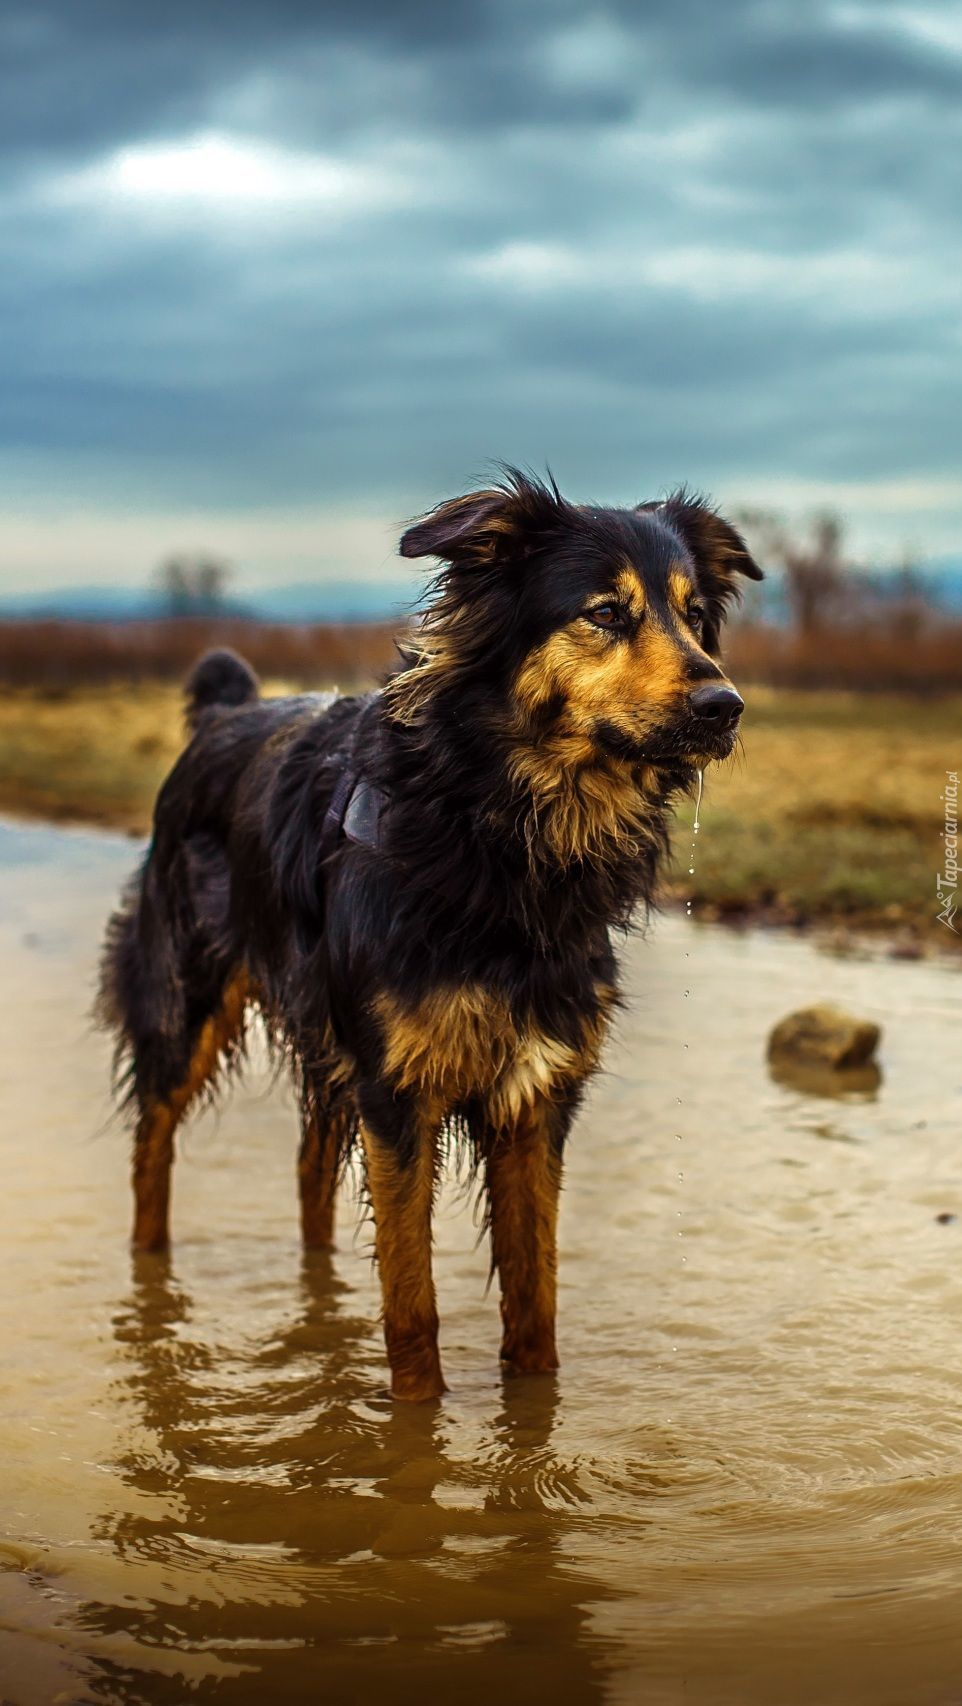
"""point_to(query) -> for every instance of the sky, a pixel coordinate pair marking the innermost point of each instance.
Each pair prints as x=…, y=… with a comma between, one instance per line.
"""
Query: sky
x=275, y=277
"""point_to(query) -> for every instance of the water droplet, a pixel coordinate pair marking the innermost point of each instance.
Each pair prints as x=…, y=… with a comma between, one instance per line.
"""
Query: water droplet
x=695, y=828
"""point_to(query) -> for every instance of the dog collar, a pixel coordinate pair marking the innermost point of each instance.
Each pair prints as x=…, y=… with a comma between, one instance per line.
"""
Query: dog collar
x=354, y=812
x=362, y=814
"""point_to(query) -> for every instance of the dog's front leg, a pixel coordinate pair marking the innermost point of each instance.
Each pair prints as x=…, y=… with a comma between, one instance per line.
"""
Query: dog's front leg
x=523, y=1176
x=400, y=1151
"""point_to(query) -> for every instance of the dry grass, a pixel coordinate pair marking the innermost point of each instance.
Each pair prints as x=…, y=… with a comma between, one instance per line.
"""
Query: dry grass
x=909, y=651
x=93, y=754
x=832, y=812
x=71, y=654
x=913, y=651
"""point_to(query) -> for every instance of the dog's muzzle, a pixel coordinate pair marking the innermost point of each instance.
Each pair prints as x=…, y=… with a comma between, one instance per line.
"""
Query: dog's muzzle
x=718, y=708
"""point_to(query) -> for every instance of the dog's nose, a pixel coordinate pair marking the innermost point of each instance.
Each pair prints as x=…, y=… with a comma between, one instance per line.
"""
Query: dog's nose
x=719, y=706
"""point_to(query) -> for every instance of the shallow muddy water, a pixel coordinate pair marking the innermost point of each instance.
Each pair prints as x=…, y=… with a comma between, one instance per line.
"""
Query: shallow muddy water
x=744, y=1486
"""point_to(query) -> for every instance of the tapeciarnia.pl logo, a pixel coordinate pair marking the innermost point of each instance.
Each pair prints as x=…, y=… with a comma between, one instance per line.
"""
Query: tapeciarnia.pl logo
x=947, y=881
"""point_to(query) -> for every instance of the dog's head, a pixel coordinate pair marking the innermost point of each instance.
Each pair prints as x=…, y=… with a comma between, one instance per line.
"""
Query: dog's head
x=595, y=630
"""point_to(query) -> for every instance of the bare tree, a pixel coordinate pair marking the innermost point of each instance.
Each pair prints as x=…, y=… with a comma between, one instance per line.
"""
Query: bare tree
x=815, y=574
x=193, y=584
x=174, y=582
x=816, y=568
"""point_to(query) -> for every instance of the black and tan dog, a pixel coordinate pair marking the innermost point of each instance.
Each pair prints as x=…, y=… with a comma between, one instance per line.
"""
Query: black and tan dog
x=417, y=887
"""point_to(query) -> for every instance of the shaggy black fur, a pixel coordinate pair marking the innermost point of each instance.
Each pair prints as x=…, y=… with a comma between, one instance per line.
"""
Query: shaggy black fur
x=462, y=889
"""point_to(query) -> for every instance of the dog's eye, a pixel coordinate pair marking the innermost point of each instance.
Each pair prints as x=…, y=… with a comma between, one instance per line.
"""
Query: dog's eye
x=605, y=616
x=696, y=616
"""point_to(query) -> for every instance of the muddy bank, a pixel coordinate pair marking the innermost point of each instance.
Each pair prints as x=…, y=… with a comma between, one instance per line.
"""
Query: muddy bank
x=895, y=931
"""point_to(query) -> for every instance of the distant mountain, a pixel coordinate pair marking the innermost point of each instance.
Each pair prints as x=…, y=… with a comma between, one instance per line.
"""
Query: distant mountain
x=307, y=601
x=82, y=603
x=942, y=581
x=334, y=601
x=939, y=580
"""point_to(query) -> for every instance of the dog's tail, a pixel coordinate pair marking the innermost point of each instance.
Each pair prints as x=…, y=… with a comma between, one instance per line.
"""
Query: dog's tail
x=220, y=678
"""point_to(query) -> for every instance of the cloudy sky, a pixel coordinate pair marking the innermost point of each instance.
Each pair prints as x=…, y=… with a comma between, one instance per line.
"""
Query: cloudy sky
x=274, y=276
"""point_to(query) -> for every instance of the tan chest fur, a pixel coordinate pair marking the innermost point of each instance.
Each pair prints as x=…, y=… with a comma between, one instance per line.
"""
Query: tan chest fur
x=465, y=1041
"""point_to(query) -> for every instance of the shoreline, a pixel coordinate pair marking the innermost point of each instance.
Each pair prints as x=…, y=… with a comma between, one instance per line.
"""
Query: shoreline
x=850, y=935
x=827, y=820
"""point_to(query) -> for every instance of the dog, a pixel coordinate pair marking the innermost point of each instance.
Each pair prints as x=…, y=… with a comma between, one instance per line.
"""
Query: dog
x=418, y=887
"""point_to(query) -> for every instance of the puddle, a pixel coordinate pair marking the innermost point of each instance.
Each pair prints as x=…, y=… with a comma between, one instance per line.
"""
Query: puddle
x=744, y=1486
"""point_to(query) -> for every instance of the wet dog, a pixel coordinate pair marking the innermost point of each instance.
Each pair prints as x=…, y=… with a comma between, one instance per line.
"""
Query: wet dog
x=418, y=887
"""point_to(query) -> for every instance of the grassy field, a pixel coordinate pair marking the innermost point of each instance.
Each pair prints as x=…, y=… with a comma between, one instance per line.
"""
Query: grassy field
x=831, y=813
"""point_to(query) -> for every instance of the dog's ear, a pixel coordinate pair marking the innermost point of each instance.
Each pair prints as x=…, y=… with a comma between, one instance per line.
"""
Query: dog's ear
x=481, y=527
x=463, y=527
x=717, y=548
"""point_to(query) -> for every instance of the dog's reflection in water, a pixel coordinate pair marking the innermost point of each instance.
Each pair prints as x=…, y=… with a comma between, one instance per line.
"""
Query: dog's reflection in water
x=285, y=1530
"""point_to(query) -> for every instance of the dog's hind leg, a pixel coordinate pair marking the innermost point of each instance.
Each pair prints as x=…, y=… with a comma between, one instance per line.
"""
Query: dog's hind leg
x=324, y=1136
x=161, y=1109
x=400, y=1139
x=523, y=1163
x=317, y=1178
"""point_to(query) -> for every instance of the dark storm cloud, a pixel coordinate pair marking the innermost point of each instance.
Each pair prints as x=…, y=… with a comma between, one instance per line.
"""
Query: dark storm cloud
x=811, y=56
x=259, y=254
x=79, y=74
x=75, y=76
